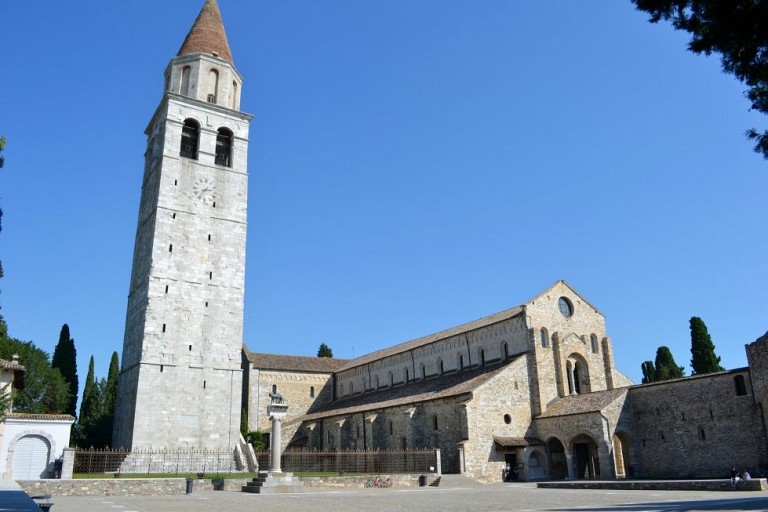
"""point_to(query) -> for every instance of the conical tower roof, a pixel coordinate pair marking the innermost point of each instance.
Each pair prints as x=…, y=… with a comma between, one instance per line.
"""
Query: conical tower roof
x=207, y=35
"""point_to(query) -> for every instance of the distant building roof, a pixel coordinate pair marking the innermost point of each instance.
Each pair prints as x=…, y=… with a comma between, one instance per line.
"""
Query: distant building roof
x=294, y=363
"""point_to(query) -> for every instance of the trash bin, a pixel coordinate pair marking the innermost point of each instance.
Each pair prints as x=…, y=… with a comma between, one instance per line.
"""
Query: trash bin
x=422, y=480
x=189, y=485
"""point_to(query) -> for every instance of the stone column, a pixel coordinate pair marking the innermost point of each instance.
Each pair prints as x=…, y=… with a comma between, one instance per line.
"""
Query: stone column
x=68, y=463
x=569, y=464
x=276, y=411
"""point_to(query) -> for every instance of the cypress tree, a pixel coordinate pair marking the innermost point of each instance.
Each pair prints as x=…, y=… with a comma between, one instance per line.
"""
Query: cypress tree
x=110, y=390
x=649, y=372
x=65, y=360
x=666, y=367
x=704, y=359
x=90, y=409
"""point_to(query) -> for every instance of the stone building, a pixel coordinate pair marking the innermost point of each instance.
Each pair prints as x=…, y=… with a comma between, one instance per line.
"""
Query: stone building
x=181, y=379
x=29, y=443
x=533, y=388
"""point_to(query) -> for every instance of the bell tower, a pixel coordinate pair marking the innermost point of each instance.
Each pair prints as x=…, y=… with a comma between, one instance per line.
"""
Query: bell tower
x=181, y=378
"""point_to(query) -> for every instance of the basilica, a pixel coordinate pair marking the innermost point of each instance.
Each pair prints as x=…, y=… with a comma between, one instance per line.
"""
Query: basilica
x=533, y=388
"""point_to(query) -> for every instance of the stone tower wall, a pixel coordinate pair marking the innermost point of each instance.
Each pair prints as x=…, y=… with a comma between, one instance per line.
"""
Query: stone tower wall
x=182, y=373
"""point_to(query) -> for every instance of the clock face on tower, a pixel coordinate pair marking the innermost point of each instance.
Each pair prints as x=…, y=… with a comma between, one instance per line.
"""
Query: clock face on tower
x=204, y=190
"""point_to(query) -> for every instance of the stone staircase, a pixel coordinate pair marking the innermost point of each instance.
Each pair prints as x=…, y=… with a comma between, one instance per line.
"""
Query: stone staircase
x=273, y=483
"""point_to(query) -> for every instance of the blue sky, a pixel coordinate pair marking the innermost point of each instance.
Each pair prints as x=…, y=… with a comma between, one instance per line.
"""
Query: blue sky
x=413, y=165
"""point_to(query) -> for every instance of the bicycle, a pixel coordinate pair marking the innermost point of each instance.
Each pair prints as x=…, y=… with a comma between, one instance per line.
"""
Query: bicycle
x=379, y=482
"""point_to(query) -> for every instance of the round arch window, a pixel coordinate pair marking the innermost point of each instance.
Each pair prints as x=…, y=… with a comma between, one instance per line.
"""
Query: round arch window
x=507, y=419
x=566, y=308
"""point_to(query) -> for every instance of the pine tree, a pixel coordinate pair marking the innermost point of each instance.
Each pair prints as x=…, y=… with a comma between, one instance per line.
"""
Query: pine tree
x=65, y=360
x=324, y=351
x=704, y=359
x=666, y=367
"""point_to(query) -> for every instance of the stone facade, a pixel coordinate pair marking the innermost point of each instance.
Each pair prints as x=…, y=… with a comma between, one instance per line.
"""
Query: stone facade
x=708, y=418
x=534, y=389
x=181, y=377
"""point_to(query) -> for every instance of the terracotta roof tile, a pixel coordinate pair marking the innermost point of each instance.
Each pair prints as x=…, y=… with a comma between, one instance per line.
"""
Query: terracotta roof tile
x=207, y=35
x=581, y=404
x=11, y=365
x=295, y=363
x=431, y=338
x=516, y=442
x=39, y=417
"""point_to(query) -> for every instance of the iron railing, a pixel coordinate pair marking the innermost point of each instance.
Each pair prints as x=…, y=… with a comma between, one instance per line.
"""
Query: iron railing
x=213, y=462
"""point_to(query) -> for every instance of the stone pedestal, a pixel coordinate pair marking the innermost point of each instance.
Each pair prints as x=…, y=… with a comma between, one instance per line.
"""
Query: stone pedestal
x=270, y=482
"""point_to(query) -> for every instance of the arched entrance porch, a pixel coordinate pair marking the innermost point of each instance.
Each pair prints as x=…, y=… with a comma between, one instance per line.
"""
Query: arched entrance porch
x=586, y=462
x=558, y=465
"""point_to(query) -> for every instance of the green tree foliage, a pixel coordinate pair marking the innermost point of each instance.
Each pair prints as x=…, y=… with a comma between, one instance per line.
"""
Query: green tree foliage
x=257, y=440
x=649, y=372
x=65, y=360
x=45, y=391
x=110, y=387
x=704, y=359
x=324, y=351
x=90, y=409
x=97, y=410
x=737, y=30
x=2, y=147
x=666, y=367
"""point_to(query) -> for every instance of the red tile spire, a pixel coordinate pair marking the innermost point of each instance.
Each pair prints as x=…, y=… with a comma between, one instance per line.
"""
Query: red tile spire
x=207, y=34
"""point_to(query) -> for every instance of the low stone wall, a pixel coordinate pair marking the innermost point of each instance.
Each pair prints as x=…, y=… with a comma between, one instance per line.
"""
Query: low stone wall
x=107, y=487
x=177, y=486
x=359, y=481
x=756, y=484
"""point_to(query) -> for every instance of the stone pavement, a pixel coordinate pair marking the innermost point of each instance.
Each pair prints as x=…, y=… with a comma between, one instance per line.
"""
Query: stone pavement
x=520, y=497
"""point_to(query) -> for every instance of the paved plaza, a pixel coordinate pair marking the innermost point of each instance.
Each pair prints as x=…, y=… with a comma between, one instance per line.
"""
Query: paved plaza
x=494, y=497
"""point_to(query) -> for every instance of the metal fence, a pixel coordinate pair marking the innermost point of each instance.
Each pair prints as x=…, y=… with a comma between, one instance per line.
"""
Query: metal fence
x=213, y=462
x=155, y=462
